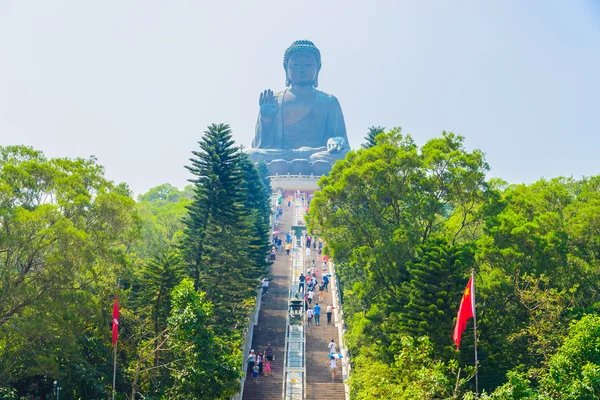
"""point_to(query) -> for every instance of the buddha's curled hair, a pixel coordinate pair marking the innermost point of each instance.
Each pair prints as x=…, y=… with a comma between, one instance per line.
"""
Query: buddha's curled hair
x=302, y=46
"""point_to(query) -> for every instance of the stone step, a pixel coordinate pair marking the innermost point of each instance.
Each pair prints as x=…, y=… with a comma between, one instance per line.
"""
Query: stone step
x=271, y=326
x=328, y=391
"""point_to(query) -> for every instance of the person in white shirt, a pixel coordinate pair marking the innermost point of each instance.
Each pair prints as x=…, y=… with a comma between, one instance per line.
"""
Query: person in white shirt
x=311, y=294
x=331, y=346
x=329, y=312
x=265, y=285
x=332, y=366
x=309, y=316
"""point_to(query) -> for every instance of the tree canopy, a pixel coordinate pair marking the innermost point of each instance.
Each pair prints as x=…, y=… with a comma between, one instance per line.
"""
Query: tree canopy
x=405, y=225
x=70, y=241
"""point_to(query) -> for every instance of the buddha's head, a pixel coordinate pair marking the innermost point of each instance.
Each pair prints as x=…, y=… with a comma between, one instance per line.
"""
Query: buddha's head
x=302, y=63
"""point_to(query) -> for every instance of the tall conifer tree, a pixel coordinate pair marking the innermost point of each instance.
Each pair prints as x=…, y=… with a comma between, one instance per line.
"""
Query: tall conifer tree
x=219, y=228
x=257, y=201
x=217, y=196
x=370, y=138
x=435, y=283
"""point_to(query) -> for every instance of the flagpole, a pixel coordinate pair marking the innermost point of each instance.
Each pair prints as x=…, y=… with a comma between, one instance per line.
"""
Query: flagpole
x=474, y=333
x=116, y=343
x=114, y=371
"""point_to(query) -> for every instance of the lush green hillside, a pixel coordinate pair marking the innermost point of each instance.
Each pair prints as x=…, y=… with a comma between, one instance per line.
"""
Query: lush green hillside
x=68, y=237
x=406, y=224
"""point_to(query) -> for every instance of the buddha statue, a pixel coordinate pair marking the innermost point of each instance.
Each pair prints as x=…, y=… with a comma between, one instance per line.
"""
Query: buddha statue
x=300, y=122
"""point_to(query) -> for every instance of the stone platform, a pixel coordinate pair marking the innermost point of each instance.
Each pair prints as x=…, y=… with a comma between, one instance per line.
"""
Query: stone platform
x=303, y=183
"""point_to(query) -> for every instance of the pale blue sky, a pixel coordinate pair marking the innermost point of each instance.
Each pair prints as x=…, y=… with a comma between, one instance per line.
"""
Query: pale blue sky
x=136, y=82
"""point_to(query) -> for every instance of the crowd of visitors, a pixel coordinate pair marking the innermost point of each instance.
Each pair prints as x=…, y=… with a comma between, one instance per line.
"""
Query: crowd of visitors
x=260, y=364
x=313, y=286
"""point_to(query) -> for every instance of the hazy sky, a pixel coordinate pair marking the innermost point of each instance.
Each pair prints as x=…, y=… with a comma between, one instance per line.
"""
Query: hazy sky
x=136, y=82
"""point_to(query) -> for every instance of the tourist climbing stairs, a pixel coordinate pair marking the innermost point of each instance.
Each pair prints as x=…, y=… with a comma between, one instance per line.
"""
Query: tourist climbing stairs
x=306, y=375
x=271, y=326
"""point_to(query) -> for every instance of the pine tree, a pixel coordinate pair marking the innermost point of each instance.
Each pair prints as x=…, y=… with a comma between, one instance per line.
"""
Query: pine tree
x=263, y=171
x=217, y=198
x=159, y=276
x=257, y=201
x=437, y=279
x=220, y=234
x=370, y=138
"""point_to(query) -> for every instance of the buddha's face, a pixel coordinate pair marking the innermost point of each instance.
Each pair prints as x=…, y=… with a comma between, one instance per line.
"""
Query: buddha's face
x=302, y=69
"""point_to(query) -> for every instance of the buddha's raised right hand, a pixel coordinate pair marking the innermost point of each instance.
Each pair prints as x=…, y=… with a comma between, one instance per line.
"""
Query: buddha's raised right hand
x=268, y=105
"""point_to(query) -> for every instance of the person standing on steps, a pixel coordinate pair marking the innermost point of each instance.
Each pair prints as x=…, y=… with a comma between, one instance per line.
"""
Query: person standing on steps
x=255, y=372
x=302, y=278
x=265, y=285
x=332, y=366
x=329, y=312
x=317, y=311
x=321, y=292
x=259, y=362
x=269, y=352
x=331, y=347
x=309, y=316
x=251, y=361
x=288, y=247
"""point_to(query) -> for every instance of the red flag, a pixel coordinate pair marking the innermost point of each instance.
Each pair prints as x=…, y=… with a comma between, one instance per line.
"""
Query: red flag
x=115, y=326
x=466, y=311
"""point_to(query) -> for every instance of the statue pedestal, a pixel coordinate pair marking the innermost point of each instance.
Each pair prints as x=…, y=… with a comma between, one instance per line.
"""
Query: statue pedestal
x=298, y=166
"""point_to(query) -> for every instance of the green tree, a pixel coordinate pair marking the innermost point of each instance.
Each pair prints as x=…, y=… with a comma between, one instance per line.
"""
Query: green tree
x=217, y=199
x=376, y=210
x=537, y=273
x=370, y=138
x=263, y=171
x=165, y=191
x=204, y=368
x=159, y=276
x=574, y=371
x=64, y=237
x=415, y=373
x=221, y=233
x=257, y=203
x=437, y=280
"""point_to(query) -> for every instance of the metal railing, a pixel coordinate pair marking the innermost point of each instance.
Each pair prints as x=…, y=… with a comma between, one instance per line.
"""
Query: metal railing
x=294, y=371
x=338, y=312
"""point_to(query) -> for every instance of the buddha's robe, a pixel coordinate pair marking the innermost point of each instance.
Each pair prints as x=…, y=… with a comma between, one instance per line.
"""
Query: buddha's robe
x=301, y=139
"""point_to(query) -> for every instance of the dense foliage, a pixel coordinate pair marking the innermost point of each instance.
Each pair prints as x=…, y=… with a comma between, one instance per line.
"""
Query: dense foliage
x=70, y=240
x=407, y=223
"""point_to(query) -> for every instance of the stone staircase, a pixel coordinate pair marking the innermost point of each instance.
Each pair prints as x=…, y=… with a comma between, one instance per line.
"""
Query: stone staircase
x=318, y=374
x=271, y=326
